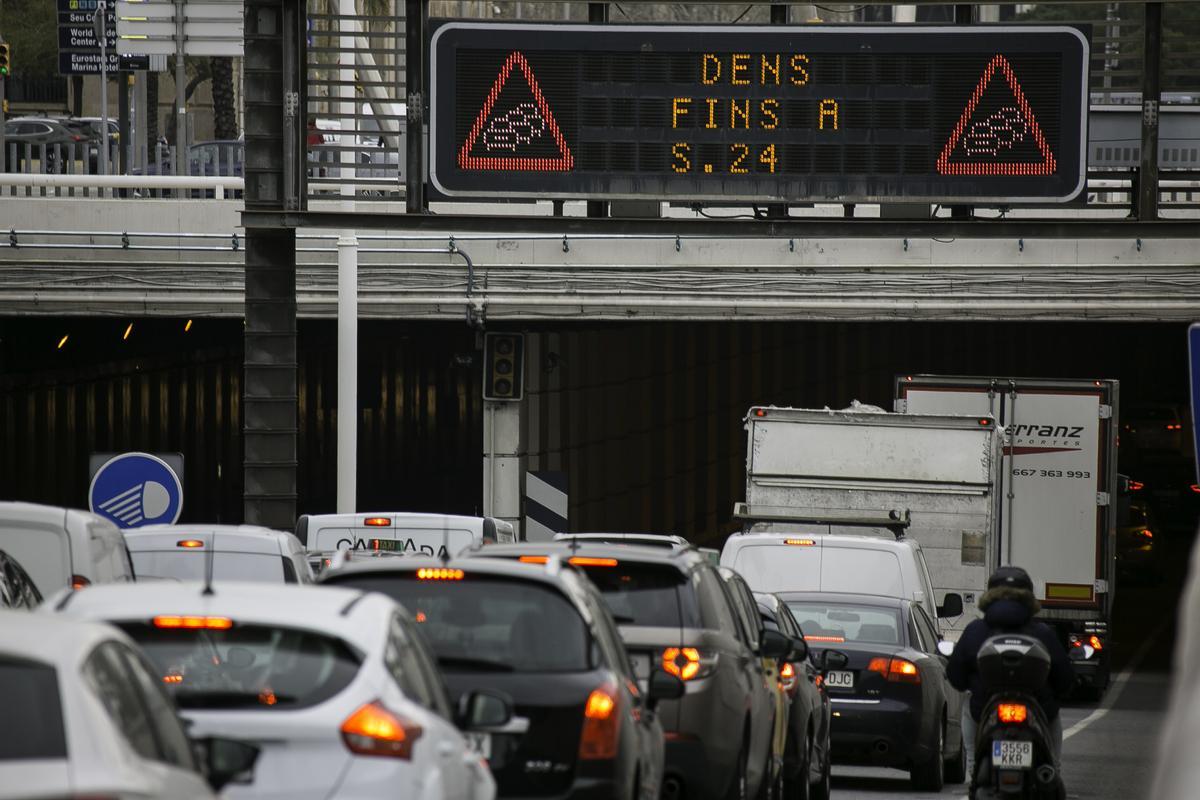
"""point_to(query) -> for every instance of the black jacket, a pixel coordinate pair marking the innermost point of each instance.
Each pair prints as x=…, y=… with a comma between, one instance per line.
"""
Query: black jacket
x=1007, y=610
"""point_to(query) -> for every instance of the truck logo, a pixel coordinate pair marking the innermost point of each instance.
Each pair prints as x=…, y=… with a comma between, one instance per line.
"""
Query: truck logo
x=1027, y=440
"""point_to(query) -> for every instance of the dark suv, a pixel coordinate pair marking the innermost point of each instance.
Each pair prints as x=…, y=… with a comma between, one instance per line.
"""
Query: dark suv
x=675, y=613
x=540, y=635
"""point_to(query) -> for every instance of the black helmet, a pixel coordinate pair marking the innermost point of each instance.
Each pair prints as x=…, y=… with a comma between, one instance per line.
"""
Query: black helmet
x=1014, y=577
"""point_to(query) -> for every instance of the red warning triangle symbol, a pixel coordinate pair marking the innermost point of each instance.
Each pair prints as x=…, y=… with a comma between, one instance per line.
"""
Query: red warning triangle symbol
x=987, y=145
x=520, y=136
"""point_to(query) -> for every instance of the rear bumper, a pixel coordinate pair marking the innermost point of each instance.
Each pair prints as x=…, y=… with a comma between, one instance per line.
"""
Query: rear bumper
x=582, y=789
x=883, y=734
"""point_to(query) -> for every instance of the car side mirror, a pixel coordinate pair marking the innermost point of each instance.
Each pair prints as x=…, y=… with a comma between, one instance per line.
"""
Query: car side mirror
x=834, y=659
x=799, y=650
x=774, y=644
x=663, y=686
x=952, y=605
x=945, y=647
x=225, y=761
x=483, y=709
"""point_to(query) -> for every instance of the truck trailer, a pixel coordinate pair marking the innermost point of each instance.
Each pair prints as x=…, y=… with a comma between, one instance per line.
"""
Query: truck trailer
x=1058, y=489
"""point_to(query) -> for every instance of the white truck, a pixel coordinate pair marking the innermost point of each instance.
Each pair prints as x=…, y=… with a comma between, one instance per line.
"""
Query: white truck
x=942, y=470
x=1058, y=486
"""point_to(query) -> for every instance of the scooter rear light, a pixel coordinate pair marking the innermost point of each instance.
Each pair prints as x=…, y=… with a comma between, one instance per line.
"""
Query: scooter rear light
x=601, y=725
x=1012, y=713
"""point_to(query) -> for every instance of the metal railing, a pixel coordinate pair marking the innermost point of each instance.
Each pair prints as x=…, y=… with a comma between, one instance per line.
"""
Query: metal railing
x=123, y=186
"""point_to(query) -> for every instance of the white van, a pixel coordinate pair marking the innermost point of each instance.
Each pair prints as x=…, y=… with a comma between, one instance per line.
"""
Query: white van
x=400, y=532
x=849, y=564
x=237, y=553
x=61, y=547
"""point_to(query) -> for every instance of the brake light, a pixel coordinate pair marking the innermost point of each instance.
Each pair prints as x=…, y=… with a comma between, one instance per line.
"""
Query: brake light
x=1136, y=486
x=787, y=677
x=895, y=670
x=1146, y=533
x=591, y=561
x=193, y=622
x=78, y=581
x=534, y=559
x=760, y=412
x=1012, y=713
x=372, y=730
x=682, y=662
x=377, y=522
x=834, y=639
x=189, y=543
x=439, y=574
x=801, y=542
x=1096, y=642
x=985, y=422
x=172, y=679
x=1175, y=427
x=601, y=725
x=1195, y=487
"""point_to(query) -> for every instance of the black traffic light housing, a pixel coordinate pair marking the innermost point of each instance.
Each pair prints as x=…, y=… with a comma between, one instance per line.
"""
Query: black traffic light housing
x=5, y=60
x=503, y=366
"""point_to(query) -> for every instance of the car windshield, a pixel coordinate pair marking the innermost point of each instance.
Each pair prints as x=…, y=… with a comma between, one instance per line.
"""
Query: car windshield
x=190, y=565
x=33, y=720
x=484, y=623
x=647, y=595
x=246, y=666
x=825, y=622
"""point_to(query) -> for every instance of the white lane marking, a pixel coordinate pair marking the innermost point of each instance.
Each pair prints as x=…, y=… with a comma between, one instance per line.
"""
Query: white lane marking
x=1118, y=685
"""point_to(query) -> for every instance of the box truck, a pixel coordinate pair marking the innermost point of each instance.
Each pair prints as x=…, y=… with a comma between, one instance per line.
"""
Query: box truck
x=1058, y=485
x=833, y=472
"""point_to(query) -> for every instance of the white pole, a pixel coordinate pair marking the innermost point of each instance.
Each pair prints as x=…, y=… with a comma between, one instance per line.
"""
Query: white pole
x=347, y=327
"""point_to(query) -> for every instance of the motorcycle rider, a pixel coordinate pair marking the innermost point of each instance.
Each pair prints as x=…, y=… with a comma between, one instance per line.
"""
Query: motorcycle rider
x=1008, y=606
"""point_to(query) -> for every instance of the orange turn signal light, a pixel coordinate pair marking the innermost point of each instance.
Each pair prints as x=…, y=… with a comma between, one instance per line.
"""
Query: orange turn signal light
x=377, y=522
x=1095, y=642
x=802, y=542
x=193, y=622
x=439, y=574
x=682, y=662
x=189, y=543
x=591, y=561
x=1012, y=713
x=534, y=559
x=372, y=730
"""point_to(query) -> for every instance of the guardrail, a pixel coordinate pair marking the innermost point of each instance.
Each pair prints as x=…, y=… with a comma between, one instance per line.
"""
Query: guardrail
x=119, y=186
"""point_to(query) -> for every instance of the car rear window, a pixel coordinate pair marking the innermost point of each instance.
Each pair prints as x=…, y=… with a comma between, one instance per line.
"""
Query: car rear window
x=483, y=623
x=247, y=666
x=788, y=568
x=647, y=595
x=32, y=711
x=826, y=622
x=189, y=565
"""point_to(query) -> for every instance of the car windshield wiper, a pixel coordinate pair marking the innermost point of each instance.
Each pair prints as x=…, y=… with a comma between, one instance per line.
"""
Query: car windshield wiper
x=481, y=664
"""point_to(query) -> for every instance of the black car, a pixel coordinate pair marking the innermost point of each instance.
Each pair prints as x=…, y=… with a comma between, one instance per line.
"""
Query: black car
x=542, y=636
x=807, y=754
x=16, y=587
x=892, y=703
x=675, y=612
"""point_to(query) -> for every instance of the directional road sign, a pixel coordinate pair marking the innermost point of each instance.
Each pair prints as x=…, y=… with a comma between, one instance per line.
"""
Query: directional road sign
x=787, y=114
x=135, y=489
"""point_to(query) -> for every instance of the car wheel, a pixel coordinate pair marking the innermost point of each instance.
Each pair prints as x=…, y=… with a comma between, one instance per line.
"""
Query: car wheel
x=738, y=790
x=796, y=785
x=930, y=776
x=956, y=766
x=824, y=787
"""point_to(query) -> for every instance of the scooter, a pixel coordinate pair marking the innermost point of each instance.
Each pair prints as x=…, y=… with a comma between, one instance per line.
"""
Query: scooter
x=1013, y=755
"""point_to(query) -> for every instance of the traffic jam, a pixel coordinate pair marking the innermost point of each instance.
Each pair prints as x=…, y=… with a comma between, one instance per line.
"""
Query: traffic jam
x=875, y=607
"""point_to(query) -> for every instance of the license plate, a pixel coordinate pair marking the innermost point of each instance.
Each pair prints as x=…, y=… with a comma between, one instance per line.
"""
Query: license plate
x=641, y=665
x=480, y=742
x=1009, y=754
x=839, y=679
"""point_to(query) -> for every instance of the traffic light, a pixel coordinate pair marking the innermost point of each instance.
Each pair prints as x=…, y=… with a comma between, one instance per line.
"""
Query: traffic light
x=5, y=60
x=503, y=366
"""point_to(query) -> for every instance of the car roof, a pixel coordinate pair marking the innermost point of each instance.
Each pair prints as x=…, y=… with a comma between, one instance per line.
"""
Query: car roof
x=566, y=580
x=15, y=511
x=848, y=540
x=681, y=558
x=350, y=614
x=52, y=640
x=647, y=539
x=844, y=597
x=221, y=538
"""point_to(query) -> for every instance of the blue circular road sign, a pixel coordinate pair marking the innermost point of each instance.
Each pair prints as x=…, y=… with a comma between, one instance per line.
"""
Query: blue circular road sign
x=135, y=489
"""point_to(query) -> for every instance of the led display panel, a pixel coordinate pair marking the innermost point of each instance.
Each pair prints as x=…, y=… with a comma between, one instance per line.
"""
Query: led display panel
x=764, y=114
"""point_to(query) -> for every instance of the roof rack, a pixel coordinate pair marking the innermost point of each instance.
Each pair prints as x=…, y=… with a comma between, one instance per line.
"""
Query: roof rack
x=896, y=520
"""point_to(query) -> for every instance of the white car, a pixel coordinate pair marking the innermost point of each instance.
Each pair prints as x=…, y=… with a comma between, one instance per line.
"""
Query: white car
x=83, y=716
x=334, y=686
x=407, y=533
x=63, y=546
x=237, y=552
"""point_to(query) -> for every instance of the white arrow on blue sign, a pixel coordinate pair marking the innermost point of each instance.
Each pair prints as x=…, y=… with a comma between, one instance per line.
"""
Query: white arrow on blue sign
x=135, y=489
